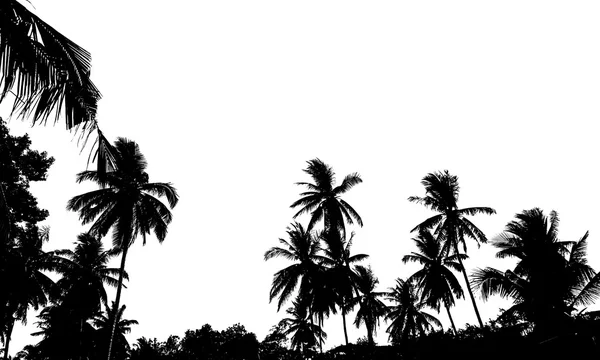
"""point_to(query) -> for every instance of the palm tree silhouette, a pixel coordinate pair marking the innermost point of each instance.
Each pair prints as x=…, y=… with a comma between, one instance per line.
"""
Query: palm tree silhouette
x=323, y=202
x=338, y=262
x=407, y=318
x=83, y=281
x=85, y=274
x=305, y=334
x=126, y=203
x=47, y=73
x=302, y=248
x=441, y=191
x=106, y=330
x=551, y=278
x=371, y=308
x=435, y=280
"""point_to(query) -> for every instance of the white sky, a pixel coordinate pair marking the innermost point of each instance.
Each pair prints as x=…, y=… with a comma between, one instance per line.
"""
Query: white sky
x=229, y=99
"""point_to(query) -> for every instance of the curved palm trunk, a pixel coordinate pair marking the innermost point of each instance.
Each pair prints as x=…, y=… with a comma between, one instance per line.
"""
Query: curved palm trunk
x=464, y=272
x=450, y=316
x=117, y=300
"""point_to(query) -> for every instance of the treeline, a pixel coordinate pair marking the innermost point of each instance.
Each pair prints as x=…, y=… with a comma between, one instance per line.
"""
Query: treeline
x=550, y=286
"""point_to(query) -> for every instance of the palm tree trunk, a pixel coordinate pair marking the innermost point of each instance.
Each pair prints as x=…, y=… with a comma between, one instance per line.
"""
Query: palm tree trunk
x=450, y=316
x=117, y=300
x=464, y=272
x=8, y=335
x=370, y=335
x=344, y=321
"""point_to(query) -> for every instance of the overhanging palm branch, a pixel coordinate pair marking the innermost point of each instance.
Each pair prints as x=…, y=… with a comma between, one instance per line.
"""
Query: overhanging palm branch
x=47, y=73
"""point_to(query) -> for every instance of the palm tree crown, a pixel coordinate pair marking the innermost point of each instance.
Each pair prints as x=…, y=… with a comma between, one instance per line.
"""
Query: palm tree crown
x=406, y=315
x=437, y=283
x=322, y=200
x=302, y=248
x=551, y=278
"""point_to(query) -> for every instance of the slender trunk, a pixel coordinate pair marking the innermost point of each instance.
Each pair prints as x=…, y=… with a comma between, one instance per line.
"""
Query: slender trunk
x=344, y=321
x=8, y=334
x=80, y=338
x=320, y=337
x=464, y=272
x=370, y=335
x=117, y=300
x=450, y=317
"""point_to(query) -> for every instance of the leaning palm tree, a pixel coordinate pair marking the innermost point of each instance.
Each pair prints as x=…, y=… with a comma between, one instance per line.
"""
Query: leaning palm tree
x=551, y=279
x=47, y=73
x=406, y=315
x=126, y=203
x=371, y=308
x=323, y=202
x=441, y=196
x=305, y=334
x=436, y=282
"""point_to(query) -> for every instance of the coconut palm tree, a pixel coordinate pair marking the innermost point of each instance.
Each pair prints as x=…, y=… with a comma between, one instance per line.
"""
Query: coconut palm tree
x=323, y=202
x=303, y=249
x=371, y=308
x=441, y=196
x=435, y=280
x=305, y=334
x=406, y=315
x=126, y=203
x=47, y=73
x=551, y=278
x=85, y=275
x=105, y=330
x=83, y=282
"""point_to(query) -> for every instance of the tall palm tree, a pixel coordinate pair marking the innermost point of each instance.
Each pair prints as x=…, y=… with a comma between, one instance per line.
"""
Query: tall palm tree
x=339, y=264
x=441, y=196
x=47, y=73
x=406, y=316
x=437, y=283
x=371, y=308
x=551, y=278
x=323, y=202
x=306, y=335
x=126, y=203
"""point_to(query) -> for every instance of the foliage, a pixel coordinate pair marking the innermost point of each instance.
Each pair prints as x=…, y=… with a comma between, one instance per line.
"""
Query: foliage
x=23, y=262
x=46, y=72
x=551, y=278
